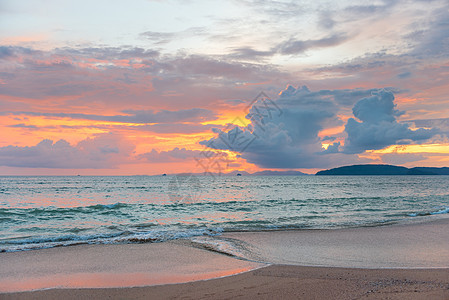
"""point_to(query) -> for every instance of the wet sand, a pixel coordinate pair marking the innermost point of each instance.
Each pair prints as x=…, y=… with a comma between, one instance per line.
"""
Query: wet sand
x=388, y=262
x=99, y=266
x=280, y=282
x=416, y=245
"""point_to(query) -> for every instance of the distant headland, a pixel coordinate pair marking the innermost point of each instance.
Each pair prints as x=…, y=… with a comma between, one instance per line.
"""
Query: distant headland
x=372, y=169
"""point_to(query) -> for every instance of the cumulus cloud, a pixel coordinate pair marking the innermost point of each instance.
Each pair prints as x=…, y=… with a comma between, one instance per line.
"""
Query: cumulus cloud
x=343, y=97
x=378, y=127
x=102, y=151
x=283, y=133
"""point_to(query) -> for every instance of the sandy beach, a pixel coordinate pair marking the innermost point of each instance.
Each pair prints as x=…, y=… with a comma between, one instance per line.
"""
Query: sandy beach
x=413, y=245
x=280, y=282
x=310, y=264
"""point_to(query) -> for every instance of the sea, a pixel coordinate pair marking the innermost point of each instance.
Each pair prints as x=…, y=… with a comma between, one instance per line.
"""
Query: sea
x=39, y=212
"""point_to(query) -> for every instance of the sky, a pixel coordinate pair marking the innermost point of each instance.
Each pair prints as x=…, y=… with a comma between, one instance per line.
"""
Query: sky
x=147, y=87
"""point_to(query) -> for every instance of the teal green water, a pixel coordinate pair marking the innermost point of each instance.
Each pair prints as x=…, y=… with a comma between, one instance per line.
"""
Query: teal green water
x=42, y=212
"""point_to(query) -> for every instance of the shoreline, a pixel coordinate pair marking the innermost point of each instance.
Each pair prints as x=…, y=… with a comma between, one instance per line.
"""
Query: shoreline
x=413, y=245
x=431, y=218
x=135, y=270
x=278, y=282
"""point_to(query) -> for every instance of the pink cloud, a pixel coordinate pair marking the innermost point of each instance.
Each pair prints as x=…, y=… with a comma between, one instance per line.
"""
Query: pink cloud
x=102, y=151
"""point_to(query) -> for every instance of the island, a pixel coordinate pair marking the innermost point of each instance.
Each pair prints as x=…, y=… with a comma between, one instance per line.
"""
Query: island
x=379, y=169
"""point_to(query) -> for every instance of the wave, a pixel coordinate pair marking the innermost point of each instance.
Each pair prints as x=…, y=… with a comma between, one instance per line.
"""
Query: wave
x=429, y=213
x=125, y=237
x=227, y=246
x=62, y=210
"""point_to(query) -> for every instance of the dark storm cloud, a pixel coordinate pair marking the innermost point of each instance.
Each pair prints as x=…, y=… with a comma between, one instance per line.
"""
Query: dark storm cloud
x=284, y=133
x=345, y=97
x=378, y=127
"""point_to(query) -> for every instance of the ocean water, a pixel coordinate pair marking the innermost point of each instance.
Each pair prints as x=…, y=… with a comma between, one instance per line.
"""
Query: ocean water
x=42, y=212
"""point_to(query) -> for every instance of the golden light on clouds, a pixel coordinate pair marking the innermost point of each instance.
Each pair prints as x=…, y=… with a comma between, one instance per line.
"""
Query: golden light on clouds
x=331, y=131
x=424, y=148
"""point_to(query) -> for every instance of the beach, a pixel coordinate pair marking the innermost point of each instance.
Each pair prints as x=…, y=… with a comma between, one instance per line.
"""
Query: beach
x=280, y=282
x=405, y=261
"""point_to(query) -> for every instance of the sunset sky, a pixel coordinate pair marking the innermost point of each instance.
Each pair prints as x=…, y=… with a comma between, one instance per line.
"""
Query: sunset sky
x=113, y=87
